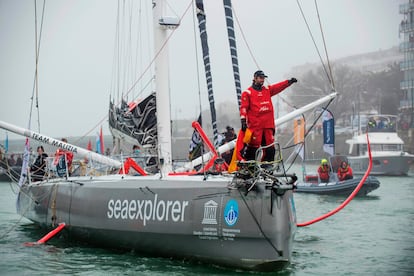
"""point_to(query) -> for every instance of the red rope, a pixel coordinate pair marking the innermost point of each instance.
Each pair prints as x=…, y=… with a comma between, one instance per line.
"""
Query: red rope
x=51, y=234
x=350, y=197
x=48, y=236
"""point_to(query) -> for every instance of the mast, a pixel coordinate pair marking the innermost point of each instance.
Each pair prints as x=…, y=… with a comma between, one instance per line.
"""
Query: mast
x=160, y=24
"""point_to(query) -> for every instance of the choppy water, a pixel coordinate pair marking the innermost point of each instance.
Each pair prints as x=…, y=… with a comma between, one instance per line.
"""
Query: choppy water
x=373, y=235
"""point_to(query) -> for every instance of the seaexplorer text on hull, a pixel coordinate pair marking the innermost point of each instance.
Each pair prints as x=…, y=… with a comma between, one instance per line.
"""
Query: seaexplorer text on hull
x=147, y=210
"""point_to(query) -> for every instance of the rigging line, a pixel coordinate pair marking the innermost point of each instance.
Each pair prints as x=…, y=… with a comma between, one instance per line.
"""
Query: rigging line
x=148, y=38
x=139, y=42
x=171, y=8
x=118, y=51
x=123, y=50
x=314, y=42
x=196, y=59
x=244, y=37
x=128, y=55
x=324, y=45
x=37, y=51
x=198, y=78
x=116, y=64
x=114, y=60
x=131, y=56
x=137, y=65
x=146, y=69
x=36, y=70
x=251, y=53
x=34, y=78
x=308, y=131
x=258, y=223
x=158, y=53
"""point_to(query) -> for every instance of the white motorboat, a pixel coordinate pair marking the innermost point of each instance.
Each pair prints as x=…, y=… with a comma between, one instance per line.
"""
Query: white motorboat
x=387, y=148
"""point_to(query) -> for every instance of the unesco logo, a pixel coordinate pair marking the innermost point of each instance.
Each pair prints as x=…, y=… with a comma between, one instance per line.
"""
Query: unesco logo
x=231, y=212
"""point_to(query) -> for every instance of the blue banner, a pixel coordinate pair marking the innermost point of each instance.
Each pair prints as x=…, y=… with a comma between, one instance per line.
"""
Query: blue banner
x=328, y=124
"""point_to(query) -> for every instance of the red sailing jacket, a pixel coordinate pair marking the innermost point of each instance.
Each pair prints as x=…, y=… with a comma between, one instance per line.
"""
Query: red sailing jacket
x=345, y=173
x=69, y=156
x=323, y=174
x=257, y=106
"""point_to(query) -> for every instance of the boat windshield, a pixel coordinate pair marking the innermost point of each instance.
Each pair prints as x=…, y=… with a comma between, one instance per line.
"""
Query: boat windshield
x=336, y=161
x=382, y=147
x=382, y=123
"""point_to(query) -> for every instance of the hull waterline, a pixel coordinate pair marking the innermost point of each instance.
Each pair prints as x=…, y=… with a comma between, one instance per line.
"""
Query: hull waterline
x=186, y=219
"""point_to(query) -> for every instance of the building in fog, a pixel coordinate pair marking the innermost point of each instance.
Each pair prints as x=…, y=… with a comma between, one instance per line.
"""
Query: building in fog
x=407, y=65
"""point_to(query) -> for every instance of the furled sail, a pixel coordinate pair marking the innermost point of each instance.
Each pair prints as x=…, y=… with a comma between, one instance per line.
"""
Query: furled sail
x=201, y=16
x=137, y=121
x=233, y=49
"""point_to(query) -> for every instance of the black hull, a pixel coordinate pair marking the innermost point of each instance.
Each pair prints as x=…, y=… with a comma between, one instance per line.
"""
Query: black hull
x=169, y=218
x=340, y=188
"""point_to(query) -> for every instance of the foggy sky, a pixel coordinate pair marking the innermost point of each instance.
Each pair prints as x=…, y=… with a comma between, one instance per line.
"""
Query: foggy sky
x=77, y=53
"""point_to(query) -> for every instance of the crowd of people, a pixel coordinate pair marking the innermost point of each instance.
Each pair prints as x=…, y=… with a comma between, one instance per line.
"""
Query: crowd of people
x=12, y=159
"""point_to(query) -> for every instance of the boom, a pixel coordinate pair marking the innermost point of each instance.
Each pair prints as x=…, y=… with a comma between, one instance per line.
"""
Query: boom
x=51, y=141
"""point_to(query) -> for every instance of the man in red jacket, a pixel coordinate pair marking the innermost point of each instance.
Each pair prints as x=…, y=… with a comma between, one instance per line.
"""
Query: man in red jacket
x=345, y=172
x=256, y=113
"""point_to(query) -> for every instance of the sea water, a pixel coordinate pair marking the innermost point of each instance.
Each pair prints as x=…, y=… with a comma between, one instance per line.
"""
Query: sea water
x=373, y=235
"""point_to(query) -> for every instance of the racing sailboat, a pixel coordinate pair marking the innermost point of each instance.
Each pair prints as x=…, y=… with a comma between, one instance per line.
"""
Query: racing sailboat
x=245, y=220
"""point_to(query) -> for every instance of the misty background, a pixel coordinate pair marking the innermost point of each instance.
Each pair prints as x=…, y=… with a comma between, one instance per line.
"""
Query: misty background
x=76, y=69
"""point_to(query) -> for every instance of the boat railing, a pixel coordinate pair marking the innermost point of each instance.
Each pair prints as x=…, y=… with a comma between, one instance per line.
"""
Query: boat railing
x=278, y=160
x=59, y=168
x=382, y=148
x=146, y=160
